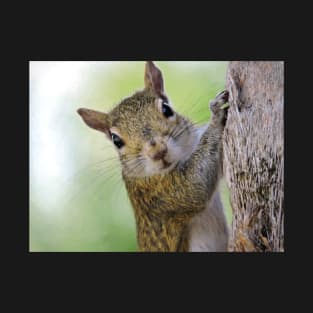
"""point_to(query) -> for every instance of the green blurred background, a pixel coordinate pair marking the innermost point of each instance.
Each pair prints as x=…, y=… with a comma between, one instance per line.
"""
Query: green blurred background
x=77, y=198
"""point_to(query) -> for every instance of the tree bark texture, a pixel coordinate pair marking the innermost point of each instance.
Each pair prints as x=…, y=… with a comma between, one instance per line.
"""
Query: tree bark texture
x=253, y=145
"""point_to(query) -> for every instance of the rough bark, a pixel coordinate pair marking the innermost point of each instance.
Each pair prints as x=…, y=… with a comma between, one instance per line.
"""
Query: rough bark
x=254, y=156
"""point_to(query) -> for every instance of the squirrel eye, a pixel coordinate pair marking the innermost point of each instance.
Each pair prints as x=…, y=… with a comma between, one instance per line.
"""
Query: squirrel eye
x=166, y=110
x=117, y=141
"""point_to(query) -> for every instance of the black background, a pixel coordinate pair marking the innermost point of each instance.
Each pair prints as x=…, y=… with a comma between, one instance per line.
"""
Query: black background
x=235, y=281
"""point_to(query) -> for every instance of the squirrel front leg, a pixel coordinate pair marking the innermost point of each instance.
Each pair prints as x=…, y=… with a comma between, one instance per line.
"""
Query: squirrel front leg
x=203, y=169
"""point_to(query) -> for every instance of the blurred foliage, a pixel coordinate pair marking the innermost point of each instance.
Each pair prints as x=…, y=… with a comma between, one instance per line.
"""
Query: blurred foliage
x=77, y=198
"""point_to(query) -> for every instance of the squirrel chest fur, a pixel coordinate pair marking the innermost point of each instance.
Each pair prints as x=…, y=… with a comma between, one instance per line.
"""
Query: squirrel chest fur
x=170, y=167
x=169, y=218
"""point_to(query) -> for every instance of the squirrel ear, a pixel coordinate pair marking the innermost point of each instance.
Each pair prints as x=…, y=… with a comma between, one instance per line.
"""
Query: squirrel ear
x=96, y=120
x=154, y=78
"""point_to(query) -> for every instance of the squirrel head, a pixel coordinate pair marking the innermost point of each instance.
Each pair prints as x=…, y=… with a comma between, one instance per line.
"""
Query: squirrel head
x=150, y=137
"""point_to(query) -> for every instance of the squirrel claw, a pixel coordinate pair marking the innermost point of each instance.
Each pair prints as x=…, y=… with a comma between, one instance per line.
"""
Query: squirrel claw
x=218, y=107
x=217, y=103
x=224, y=95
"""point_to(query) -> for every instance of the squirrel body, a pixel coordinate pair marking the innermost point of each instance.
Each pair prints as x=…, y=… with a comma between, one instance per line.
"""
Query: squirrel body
x=171, y=168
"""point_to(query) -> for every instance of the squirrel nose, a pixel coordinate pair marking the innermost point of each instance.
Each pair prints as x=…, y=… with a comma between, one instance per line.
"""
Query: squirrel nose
x=160, y=154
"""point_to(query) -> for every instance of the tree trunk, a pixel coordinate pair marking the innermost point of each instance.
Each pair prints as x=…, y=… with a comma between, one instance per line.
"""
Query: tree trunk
x=253, y=162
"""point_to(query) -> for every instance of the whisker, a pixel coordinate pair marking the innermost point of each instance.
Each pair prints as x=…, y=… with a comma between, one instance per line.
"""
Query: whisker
x=132, y=166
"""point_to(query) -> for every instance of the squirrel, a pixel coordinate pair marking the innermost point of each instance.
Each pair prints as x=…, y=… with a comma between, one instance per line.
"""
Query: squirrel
x=171, y=168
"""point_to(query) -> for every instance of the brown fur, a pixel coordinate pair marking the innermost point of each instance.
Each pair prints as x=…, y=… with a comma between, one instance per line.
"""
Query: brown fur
x=165, y=203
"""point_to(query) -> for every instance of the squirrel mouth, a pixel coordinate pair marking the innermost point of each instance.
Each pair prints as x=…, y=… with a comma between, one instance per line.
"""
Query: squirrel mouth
x=165, y=164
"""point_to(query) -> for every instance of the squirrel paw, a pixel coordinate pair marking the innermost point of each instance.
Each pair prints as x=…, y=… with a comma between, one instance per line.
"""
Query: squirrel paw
x=218, y=107
x=217, y=103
